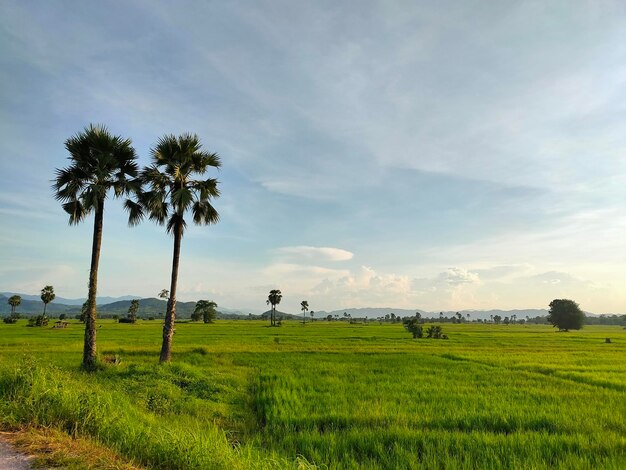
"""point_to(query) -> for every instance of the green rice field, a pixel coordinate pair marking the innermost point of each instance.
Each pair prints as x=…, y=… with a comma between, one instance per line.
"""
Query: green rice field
x=329, y=395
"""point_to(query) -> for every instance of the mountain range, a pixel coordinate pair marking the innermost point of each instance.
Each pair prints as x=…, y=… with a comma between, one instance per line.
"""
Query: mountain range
x=109, y=306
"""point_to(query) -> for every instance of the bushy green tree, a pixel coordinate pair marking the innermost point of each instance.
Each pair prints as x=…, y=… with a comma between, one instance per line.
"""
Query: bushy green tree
x=413, y=326
x=205, y=310
x=132, y=310
x=566, y=315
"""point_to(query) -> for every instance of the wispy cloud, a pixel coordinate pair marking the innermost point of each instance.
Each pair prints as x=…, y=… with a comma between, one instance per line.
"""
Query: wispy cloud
x=323, y=253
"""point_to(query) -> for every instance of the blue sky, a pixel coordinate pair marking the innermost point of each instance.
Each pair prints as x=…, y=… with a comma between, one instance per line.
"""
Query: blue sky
x=433, y=155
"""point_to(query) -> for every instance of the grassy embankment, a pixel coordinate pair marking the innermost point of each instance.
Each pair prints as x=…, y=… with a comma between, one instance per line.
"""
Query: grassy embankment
x=242, y=395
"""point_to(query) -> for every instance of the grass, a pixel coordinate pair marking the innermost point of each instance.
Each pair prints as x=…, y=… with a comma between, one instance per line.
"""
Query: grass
x=239, y=394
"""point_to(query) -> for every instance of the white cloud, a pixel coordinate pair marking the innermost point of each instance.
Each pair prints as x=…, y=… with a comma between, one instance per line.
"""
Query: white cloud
x=323, y=253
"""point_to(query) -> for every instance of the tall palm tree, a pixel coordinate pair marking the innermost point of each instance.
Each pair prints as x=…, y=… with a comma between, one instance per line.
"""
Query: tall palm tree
x=14, y=301
x=304, y=306
x=47, y=296
x=274, y=299
x=170, y=190
x=100, y=162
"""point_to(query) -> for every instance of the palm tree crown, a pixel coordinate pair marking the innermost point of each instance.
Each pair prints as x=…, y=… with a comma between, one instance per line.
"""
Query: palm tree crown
x=99, y=162
x=171, y=189
x=47, y=296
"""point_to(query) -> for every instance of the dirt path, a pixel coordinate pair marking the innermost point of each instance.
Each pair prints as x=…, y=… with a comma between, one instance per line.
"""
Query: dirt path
x=10, y=459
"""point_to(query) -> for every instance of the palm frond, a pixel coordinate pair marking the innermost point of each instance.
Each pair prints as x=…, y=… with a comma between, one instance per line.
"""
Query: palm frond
x=135, y=212
x=206, y=189
x=76, y=211
x=204, y=213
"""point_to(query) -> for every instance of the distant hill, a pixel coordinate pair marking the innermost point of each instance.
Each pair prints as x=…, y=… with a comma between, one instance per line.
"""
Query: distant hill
x=64, y=301
x=279, y=315
x=147, y=307
x=109, y=306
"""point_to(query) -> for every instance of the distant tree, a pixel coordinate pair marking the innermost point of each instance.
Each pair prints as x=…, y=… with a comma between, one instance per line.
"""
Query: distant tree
x=170, y=190
x=84, y=310
x=506, y=320
x=304, y=306
x=491, y=318
x=132, y=310
x=497, y=319
x=100, y=162
x=435, y=332
x=47, y=296
x=418, y=316
x=459, y=317
x=11, y=318
x=164, y=294
x=313, y=314
x=440, y=316
x=566, y=315
x=39, y=320
x=273, y=299
x=63, y=316
x=14, y=301
x=412, y=325
x=205, y=309
x=196, y=315
x=468, y=317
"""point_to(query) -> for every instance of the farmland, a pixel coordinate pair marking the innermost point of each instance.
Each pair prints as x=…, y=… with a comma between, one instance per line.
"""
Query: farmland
x=239, y=394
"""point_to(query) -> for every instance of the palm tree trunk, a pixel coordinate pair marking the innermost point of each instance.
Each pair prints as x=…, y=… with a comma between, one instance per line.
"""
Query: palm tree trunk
x=44, y=308
x=89, y=348
x=170, y=316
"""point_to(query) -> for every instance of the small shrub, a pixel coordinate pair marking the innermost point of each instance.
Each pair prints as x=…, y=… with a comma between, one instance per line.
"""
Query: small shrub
x=435, y=332
x=412, y=326
x=39, y=320
x=11, y=319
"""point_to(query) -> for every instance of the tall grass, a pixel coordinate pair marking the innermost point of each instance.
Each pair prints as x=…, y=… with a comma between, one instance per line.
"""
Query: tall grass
x=242, y=395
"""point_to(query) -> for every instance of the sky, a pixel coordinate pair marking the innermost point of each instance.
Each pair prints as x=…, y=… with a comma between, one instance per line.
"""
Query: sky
x=408, y=154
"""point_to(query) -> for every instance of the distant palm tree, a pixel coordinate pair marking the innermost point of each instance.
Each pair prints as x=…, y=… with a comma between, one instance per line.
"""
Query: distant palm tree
x=14, y=301
x=274, y=299
x=99, y=162
x=47, y=296
x=170, y=191
x=312, y=314
x=304, y=306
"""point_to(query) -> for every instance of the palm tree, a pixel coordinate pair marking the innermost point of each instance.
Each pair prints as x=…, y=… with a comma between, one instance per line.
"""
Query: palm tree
x=304, y=306
x=14, y=301
x=312, y=313
x=170, y=191
x=99, y=162
x=274, y=299
x=47, y=296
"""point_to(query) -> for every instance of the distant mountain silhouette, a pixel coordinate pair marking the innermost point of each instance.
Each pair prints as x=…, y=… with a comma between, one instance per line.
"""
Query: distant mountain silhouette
x=109, y=306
